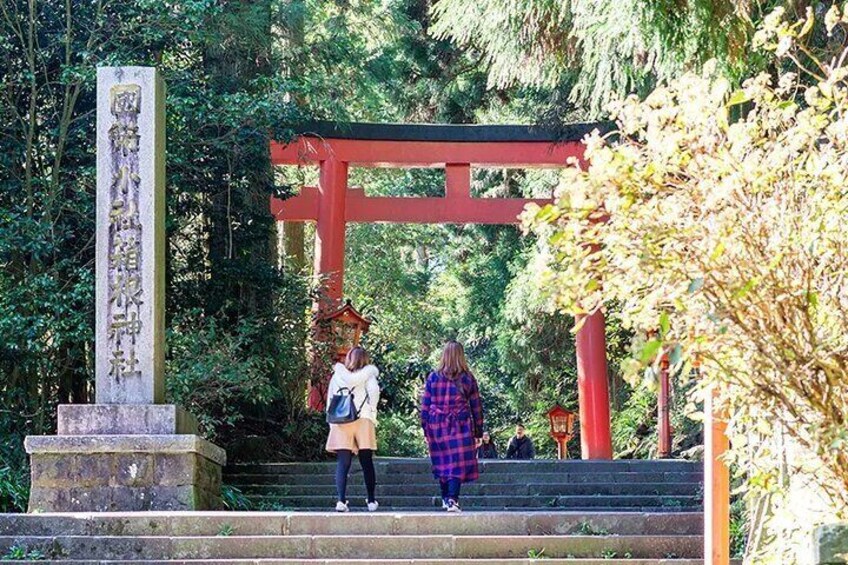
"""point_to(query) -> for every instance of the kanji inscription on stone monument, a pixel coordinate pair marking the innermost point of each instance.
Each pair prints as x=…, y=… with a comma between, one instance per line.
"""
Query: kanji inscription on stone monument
x=130, y=236
x=125, y=292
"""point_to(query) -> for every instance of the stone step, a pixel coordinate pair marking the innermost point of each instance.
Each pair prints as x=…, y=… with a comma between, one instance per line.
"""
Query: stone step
x=328, y=477
x=357, y=546
x=517, y=561
x=494, y=501
x=331, y=523
x=359, y=506
x=355, y=488
x=406, y=466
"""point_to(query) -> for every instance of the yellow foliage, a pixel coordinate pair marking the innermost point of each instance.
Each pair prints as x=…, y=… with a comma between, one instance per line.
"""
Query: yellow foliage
x=731, y=236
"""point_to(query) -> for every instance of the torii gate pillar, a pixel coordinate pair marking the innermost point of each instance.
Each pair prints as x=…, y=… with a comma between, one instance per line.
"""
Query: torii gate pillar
x=330, y=227
x=593, y=389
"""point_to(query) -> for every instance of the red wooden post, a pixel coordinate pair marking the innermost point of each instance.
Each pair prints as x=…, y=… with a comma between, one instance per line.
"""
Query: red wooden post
x=663, y=416
x=716, y=486
x=330, y=228
x=458, y=181
x=593, y=389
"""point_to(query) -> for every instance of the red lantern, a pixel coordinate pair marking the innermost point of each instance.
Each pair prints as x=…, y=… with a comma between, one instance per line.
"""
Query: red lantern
x=562, y=428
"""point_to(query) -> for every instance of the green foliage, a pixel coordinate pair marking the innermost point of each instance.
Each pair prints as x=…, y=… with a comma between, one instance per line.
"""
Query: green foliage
x=14, y=489
x=586, y=528
x=14, y=471
x=213, y=373
x=750, y=307
x=633, y=432
x=597, y=50
x=23, y=553
x=400, y=435
x=739, y=525
x=225, y=530
x=537, y=554
x=234, y=499
x=226, y=96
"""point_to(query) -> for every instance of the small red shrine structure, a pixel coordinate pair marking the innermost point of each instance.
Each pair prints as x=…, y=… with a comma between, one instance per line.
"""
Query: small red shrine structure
x=343, y=328
x=347, y=326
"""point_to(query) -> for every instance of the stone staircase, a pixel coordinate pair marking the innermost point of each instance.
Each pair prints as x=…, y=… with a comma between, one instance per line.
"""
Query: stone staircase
x=408, y=485
x=556, y=512
x=417, y=538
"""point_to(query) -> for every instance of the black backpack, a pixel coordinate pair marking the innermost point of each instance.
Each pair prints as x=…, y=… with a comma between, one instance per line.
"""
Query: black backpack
x=342, y=408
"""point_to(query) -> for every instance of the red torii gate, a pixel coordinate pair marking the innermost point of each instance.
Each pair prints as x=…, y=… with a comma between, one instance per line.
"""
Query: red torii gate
x=334, y=148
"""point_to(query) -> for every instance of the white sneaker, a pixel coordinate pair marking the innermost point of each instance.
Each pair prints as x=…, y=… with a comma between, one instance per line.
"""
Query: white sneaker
x=342, y=507
x=453, y=506
x=444, y=504
x=372, y=506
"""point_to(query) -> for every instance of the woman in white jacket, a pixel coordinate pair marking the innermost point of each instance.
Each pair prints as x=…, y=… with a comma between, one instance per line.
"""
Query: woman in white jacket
x=360, y=436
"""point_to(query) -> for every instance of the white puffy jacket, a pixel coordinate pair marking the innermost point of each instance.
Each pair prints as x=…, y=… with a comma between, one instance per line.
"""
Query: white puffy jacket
x=363, y=385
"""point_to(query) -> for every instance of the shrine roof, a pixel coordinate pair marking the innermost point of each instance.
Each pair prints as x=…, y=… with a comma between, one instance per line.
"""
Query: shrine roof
x=449, y=132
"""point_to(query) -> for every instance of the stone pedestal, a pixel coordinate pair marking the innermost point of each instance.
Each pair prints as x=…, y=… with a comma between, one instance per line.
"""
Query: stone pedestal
x=99, y=473
x=124, y=419
x=111, y=457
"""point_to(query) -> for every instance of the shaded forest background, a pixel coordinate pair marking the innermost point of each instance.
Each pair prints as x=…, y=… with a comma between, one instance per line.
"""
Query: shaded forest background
x=239, y=73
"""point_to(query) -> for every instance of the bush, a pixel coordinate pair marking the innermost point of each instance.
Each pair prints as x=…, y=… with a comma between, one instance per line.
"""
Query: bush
x=738, y=529
x=400, y=435
x=716, y=220
x=304, y=437
x=212, y=373
x=14, y=476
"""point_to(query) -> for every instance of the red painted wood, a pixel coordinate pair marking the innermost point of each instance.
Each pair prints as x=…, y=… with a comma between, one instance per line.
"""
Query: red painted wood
x=300, y=208
x=330, y=227
x=593, y=389
x=455, y=209
x=663, y=412
x=716, y=485
x=425, y=153
x=458, y=181
x=437, y=210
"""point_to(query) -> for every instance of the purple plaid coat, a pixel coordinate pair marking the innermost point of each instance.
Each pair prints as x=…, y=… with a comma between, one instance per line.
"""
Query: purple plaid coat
x=452, y=418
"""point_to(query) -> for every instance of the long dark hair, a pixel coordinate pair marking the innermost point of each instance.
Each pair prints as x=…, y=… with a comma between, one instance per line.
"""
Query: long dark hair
x=453, y=362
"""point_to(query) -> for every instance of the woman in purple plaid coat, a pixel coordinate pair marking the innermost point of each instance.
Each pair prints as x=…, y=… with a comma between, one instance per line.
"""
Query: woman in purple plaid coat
x=452, y=418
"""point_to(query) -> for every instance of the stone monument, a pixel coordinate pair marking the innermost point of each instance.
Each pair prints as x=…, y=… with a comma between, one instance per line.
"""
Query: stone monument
x=129, y=451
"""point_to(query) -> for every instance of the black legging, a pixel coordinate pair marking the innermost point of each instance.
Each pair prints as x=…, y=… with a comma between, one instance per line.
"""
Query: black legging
x=450, y=489
x=366, y=460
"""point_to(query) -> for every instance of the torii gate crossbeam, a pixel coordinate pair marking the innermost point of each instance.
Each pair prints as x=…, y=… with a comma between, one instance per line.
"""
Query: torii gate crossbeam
x=334, y=148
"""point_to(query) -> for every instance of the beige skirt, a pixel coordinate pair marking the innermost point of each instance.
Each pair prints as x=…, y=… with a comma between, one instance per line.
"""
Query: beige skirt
x=361, y=434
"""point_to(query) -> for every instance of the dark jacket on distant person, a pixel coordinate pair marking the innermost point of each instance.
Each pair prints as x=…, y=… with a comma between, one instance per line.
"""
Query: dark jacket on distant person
x=487, y=451
x=520, y=448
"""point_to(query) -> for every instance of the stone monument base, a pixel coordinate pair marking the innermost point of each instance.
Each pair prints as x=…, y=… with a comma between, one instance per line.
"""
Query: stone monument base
x=124, y=472
x=110, y=457
x=124, y=419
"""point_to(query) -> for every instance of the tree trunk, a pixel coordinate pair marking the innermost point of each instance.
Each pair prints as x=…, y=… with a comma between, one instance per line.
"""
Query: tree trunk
x=293, y=239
